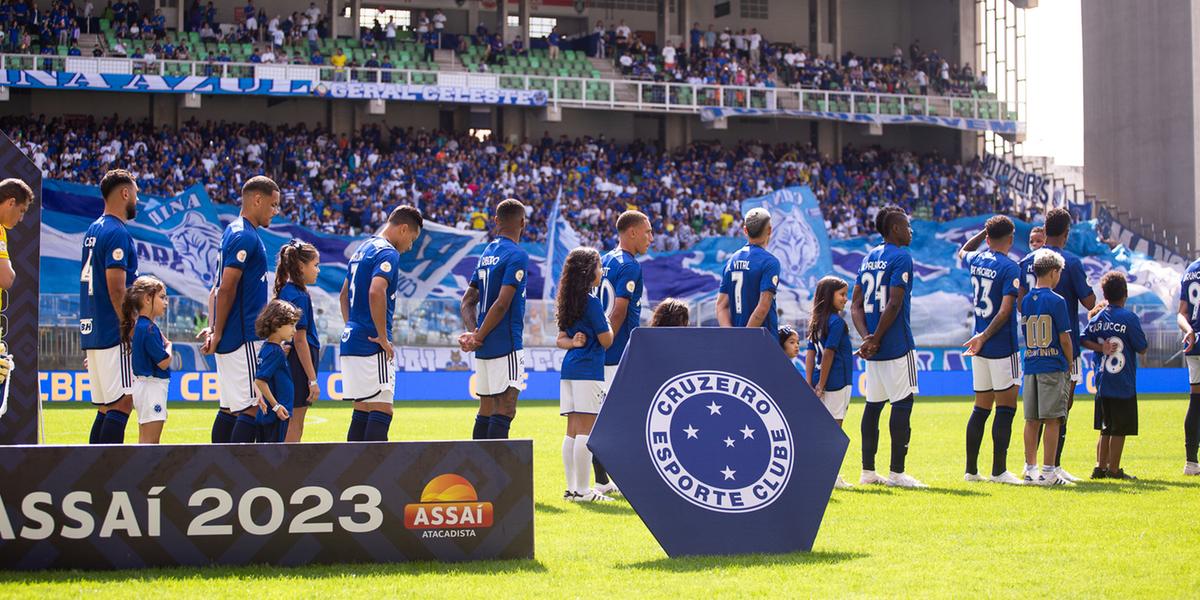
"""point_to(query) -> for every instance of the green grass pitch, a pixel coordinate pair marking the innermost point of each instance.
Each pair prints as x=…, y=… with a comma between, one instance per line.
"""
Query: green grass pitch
x=955, y=539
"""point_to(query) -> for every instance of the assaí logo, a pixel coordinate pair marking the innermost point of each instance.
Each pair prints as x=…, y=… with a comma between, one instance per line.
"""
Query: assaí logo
x=449, y=508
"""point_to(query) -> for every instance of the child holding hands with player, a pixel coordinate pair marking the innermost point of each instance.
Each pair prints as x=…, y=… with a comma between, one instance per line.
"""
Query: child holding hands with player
x=276, y=324
x=150, y=353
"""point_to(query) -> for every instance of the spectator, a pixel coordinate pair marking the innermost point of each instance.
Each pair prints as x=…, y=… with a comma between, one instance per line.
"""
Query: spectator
x=554, y=39
x=338, y=61
x=439, y=24
x=517, y=47
x=390, y=34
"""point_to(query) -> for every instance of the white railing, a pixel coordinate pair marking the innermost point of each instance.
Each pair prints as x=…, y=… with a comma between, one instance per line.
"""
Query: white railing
x=574, y=92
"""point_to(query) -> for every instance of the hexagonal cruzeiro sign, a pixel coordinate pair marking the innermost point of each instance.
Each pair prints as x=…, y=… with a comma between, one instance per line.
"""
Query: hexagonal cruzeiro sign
x=717, y=442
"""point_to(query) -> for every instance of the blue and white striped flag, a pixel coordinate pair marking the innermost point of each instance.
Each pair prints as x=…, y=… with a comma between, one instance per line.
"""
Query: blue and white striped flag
x=562, y=240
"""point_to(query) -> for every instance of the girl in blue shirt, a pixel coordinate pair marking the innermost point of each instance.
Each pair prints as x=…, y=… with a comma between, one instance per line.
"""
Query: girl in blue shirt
x=298, y=268
x=585, y=334
x=150, y=353
x=828, y=360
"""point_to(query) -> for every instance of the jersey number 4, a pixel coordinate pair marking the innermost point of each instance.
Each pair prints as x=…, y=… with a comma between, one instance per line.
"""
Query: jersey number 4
x=85, y=276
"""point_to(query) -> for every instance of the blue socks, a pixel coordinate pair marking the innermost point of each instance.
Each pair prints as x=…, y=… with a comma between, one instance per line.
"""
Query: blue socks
x=113, y=430
x=378, y=424
x=1001, y=434
x=870, y=434
x=498, y=427
x=358, y=426
x=97, y=425
x=480, y=431
x=899, y=425
x=244, y=431
x=222, y=427
x=975, y=427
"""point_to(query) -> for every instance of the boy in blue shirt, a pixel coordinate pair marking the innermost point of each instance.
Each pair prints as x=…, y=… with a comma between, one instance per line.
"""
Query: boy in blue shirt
x=1115, y=335
x=1048, y=358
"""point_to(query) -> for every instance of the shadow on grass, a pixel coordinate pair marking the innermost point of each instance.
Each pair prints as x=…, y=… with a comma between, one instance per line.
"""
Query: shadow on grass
x=542, y=507
x=690, y=564
x=944, y=491
x=257, y=572
x=607, y=508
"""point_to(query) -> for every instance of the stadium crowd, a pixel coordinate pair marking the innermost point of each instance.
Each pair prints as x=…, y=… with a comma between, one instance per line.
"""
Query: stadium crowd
x=345, y=184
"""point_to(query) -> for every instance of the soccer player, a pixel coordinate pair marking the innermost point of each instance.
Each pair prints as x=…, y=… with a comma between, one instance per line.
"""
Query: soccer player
x=1074, y=289
x=1189, y=322
x=751, y=279
x=828, y=359
x=1115, y=335
x=1049, y=352
x=15, y=199
x=368, y=301
x=882, y=299
x=620, y=293
x=995, y=360
x=150, y=354
x=234, y=304
x=584, y=332
x=109, y=268
x=1037, y=238
x=493, y=311
x=298, y=268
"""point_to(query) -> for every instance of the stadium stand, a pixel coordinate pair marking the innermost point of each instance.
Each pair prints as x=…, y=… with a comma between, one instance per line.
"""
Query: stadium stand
x=345, y=184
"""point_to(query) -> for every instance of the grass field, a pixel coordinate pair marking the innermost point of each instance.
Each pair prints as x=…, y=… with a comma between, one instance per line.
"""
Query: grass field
x=954, y=539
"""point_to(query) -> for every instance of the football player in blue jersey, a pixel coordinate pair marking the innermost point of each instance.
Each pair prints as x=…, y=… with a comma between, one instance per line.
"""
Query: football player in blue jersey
x=828, y=360
x=620, y=293
x=1049, y=352
x=882, y=299
x=234, y=304
x=109, y=267
x=995, y=356
x=1074, y=289
x=1189, y=322
x=751, y=279
x=493, y=312
x=1115, y=335
x=368, y=301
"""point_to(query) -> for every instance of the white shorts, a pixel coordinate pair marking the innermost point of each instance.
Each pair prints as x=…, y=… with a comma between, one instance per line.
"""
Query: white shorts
x=995, y=374
x=110, y=371
x=235, y=377
x=610, y=373
x=837, y=401
x=495, y=375
x=368, y=378
x=892, y=380
x=1193, y=365
x=580, y=396
x=150, y=398
x=1077, y=370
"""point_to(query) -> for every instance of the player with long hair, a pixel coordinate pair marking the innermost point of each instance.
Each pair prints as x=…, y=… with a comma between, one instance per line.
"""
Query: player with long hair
x=827, y=360
x=150, y=354
x=584, y=332
x=298, y=268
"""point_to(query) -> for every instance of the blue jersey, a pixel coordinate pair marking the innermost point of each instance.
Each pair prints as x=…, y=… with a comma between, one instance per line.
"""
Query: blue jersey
x=993, y=277
x=622, y=279
x=375, y=257
x=750, y=272
x=887, y=266
x=1044, y=316
x=1072, y=286
x=503, y=263
x=1116, y=375
x=243, y=249
x=272, y=368
x=837, y=341
x=292, y=294
x=587, y=363
x=148, y=349
x=1189, y=295
x=106, y=245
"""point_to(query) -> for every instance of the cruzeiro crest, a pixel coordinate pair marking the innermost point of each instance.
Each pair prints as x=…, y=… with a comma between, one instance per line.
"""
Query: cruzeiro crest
x=197, y=242
x=793, y=240
x=719, y=441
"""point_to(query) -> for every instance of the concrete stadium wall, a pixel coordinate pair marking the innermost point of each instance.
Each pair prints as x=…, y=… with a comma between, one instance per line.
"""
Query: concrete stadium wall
x=1141, y=89
x=870, y=27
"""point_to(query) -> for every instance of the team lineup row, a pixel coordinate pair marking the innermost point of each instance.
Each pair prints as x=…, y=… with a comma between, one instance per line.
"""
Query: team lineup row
x=265, y=350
